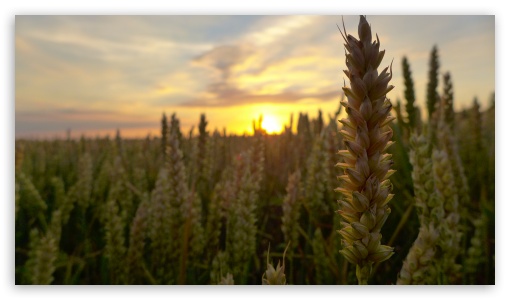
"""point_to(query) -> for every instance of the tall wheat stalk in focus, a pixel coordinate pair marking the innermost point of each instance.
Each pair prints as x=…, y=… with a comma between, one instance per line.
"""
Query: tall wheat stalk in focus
x=366, y=187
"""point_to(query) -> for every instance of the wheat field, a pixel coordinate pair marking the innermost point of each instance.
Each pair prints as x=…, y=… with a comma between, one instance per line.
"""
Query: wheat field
x=379, y=191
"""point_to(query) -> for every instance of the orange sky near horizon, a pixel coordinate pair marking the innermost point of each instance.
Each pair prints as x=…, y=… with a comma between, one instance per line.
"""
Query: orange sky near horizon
x=93, y=75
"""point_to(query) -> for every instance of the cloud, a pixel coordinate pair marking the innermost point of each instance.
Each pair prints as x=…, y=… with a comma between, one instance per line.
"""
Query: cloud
x=42, y=123
x=272, y=63
x=52, y=128
x=236, y=84
x=274, y=29
x=222, y=58
x=112, y=50
x=229, y=96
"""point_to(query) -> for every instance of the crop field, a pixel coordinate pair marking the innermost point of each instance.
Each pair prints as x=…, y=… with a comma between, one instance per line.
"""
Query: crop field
x=378, y=191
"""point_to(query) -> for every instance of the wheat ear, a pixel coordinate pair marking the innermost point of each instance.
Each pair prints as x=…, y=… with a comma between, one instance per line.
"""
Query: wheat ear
x=366, y=187
x=275, y=276
x=291, y=207
x=409, y=94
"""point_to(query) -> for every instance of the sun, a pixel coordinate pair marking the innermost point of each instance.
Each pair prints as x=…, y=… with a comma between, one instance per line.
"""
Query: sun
x=271, y=124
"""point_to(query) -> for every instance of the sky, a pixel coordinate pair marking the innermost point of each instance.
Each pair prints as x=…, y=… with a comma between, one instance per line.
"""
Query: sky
x=93, y=75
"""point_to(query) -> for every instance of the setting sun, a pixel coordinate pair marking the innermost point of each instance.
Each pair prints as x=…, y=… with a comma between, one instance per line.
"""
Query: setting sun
x=271, y=124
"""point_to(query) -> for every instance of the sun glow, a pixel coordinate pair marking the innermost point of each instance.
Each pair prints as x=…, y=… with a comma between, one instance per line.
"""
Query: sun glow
x=271, y=124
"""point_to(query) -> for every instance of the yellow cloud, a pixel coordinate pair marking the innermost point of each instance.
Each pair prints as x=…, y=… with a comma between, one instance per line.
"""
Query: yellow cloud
x=23, y=45
x=180, y=83
x=298, y=71
x=277, y=28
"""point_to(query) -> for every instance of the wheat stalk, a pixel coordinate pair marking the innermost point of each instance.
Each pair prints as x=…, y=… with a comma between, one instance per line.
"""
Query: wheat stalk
x=272, y=275
x=114, y=216
x=241, y=220
x=137, y=236
x=219, y=266
x=81, y=192
x=227, y=280
x=320, y=258
x=366, y=187
x=315, y=182
x=214, y=216
x=419, y=265
x=432, y=98
x=449, y=239
x=291, y=209
x=447, y=99
x=409, y=94
x=42, y=257
x=475, y=252
x=164, y=135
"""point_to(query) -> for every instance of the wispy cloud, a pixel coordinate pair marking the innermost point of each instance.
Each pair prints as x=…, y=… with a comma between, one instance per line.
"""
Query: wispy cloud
x=273, y=30
x=271, y=64
x=235, y=97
